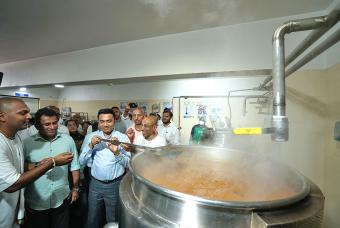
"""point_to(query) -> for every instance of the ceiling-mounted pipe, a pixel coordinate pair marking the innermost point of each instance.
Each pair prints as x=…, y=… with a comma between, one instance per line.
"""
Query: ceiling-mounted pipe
x=330, y=41
x=279, y=118
x=329, y=21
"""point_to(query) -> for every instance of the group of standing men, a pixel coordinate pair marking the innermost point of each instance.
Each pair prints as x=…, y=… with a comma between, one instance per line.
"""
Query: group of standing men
x=15, y=116
x=42, y=163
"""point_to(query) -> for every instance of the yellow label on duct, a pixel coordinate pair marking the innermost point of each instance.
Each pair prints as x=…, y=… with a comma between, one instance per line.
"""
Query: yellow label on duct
x=248, y=131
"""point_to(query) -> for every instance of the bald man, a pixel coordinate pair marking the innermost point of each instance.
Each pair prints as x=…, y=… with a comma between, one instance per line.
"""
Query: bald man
x=14, y=116
x=150, y=137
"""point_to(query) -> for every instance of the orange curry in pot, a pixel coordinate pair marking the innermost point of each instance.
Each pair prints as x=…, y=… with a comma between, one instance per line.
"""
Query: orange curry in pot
x=218, y=180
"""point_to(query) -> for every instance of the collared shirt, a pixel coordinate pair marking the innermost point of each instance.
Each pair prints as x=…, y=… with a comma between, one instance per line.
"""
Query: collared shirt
x=120, y=126
x=155, y=142
x=170, y=133
x=32, y=130
x=126, y=120
x=50, y=190
x=11, y=167
x=105, y=165
x=89, y=130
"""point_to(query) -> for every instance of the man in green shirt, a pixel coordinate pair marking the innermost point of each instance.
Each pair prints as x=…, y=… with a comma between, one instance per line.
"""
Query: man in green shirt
x=14, y=116
x=48, y=198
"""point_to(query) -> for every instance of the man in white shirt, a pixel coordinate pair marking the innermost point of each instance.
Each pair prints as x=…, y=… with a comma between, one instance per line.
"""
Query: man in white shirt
x=126, y=117
x=14, y=116
x=150, y=138
x=168, y=129
x=119, y=123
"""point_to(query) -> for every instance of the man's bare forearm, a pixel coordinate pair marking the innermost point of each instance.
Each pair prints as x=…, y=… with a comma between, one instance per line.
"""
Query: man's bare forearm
x=30, y=176
x=75, y=178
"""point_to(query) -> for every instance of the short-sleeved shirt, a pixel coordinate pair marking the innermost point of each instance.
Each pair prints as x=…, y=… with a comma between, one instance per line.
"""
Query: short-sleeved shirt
x=169, y=132
x=11, y=167
x=120, y=126
x=50, y=190
x=155, y=142
x=126, y=120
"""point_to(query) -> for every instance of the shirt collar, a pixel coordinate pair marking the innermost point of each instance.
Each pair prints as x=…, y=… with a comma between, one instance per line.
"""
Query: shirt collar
x=169, y=125
x=101, y=133
x=39, y=137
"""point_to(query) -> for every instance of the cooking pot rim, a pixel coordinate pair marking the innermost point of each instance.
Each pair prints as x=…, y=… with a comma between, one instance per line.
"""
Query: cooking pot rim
x=305, y=188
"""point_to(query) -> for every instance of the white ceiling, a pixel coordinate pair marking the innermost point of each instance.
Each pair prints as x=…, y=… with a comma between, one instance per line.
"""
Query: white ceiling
x=37, y=28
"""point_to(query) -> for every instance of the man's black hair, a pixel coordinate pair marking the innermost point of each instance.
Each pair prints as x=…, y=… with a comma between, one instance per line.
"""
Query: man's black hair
x=44, y=112
x=70, y=120
x=105, y=111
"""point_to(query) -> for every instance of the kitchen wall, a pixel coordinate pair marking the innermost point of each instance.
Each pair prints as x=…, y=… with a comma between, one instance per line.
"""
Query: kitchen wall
x=91, y=98
x=313, y=108
x=332, y=152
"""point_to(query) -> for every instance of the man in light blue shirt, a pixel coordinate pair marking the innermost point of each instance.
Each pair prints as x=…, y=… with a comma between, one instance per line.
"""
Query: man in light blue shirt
x=47, y=197
x=108, y=167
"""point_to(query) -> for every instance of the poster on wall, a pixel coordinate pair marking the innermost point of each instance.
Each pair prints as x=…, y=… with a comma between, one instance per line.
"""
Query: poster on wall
x=143, y=106
x=218, y=118
x=155, y=108
x=201, y=110
x=189, y=109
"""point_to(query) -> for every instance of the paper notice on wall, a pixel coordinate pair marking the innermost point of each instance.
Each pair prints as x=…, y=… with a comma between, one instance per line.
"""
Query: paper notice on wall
x=143, y=106
x=189, y=109
x=201, y=110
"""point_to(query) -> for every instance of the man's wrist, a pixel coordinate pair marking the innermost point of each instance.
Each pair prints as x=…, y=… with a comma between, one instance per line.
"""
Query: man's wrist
x=91, y=145
x=117, y=152
x=75, y=189
x=53, y=162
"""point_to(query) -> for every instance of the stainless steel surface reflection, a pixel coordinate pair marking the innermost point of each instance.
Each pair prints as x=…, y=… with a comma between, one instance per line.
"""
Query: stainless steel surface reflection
x=146, y=204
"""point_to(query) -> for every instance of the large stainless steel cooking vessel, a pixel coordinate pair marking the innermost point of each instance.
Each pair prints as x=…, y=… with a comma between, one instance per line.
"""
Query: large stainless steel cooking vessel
x=147, y=204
